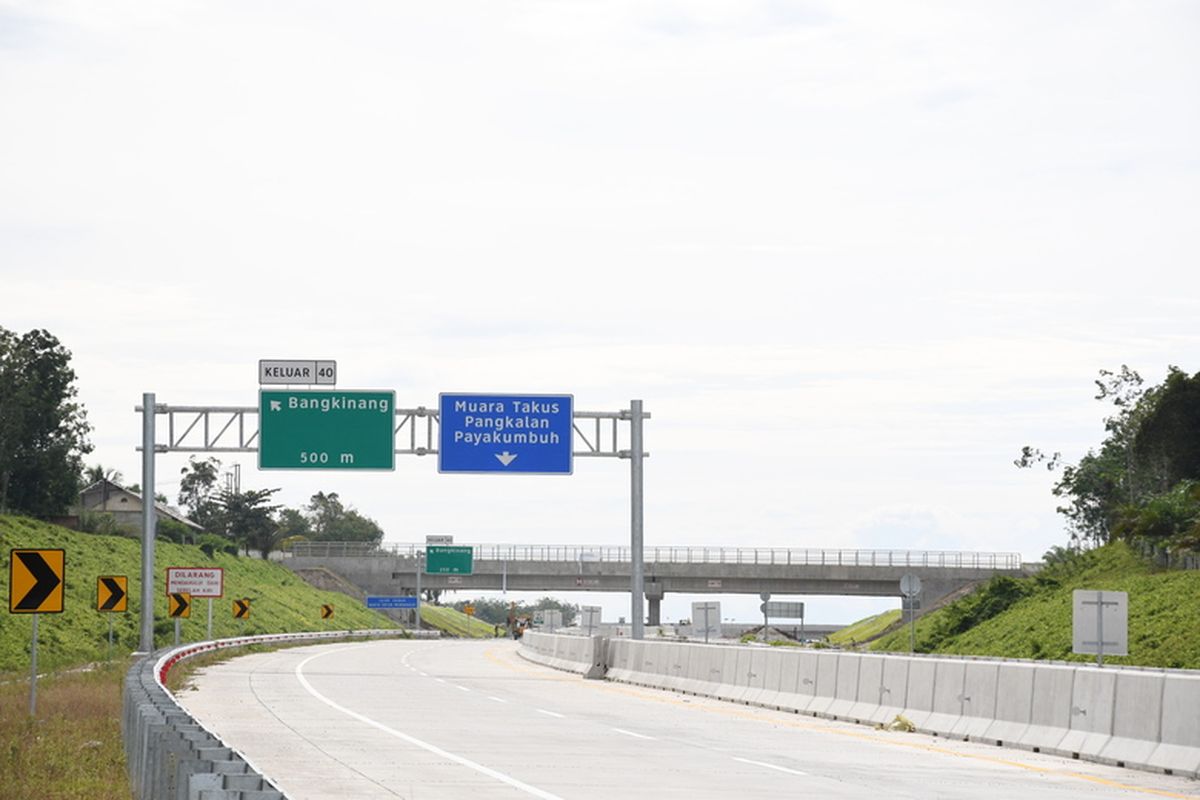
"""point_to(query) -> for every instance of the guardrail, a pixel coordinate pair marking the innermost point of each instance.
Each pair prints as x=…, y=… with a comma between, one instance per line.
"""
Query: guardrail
x=762, y=556
x=172, y=756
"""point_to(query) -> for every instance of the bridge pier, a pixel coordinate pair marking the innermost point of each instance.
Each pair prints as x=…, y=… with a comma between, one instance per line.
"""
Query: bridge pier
x=654, y=596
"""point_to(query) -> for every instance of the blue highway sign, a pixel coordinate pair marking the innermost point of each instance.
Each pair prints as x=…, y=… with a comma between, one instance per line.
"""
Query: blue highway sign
x=498, y=433
x=391, y=602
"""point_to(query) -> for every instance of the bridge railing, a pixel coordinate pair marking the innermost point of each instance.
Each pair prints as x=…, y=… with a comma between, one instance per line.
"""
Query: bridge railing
x=762, y=556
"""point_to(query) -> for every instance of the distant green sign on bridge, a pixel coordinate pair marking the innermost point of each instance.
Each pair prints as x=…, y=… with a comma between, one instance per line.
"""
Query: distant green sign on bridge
x=448, y=560
x=326, y=430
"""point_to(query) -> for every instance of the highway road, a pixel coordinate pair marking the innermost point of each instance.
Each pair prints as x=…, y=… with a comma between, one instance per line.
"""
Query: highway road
x=427, y=720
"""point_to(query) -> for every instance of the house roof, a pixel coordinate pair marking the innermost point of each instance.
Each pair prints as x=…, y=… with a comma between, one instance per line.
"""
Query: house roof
x=163, y=509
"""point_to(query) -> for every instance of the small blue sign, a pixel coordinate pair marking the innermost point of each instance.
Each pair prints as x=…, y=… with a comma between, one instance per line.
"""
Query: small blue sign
x=497, y=433
x=391, y=602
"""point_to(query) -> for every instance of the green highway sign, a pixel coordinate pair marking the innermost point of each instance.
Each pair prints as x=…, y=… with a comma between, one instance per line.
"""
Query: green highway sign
x=326, y=430
x=448, y=560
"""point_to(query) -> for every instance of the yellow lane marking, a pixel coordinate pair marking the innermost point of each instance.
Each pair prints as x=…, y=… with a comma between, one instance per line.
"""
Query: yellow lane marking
x=611, y=688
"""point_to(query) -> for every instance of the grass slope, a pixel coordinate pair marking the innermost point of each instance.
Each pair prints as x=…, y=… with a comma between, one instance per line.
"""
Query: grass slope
x=864, y=629
x=455, y=623
x=1036, y=618
x=280, y=601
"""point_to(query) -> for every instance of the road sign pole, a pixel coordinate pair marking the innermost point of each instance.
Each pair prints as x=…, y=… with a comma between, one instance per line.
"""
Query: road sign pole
x=210, y=619
x=912, y=626
x=146, y=643
x=110, y=629
x=419, y=553
x=1099, y=629
x=33, y=668
x=636, y=455
x=706, y=623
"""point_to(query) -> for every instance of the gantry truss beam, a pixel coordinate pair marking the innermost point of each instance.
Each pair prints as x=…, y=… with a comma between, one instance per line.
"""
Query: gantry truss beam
x=234, y=429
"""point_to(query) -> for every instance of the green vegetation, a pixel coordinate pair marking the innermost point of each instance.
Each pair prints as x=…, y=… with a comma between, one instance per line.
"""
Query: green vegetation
x=865, y=629
x=497, y=610
x=280, y=601
x=1031, y=617
x=43, y=431
x=1143, y=484
x=73, y=748
x=456, y=623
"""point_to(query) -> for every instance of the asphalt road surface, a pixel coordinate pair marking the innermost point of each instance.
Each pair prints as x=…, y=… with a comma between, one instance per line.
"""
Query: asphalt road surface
x=426, y=720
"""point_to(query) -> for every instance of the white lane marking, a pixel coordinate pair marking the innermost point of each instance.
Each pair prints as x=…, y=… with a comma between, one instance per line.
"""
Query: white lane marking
x=461, y=688
x=497, y=699
x=770, y=766
x=439, y=680
x=550, y=713
x=423, y=674
x=635, y=735
x=437, y=751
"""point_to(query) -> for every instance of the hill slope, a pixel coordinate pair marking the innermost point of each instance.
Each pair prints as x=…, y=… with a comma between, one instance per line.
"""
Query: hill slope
x=1031, y=617
x=280, y=601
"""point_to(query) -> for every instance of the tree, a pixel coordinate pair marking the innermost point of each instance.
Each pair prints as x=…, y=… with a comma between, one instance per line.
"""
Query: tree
x=198, y=492
x=333, y=522
x=43, y=431
x=1168, y=435
x=1139, y=484
x=249, y=520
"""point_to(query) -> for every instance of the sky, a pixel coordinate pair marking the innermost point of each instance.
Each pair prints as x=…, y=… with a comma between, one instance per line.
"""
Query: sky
x=851, y=256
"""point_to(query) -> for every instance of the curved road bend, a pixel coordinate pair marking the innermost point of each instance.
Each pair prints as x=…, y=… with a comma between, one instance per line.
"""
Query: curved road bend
x=447, y=720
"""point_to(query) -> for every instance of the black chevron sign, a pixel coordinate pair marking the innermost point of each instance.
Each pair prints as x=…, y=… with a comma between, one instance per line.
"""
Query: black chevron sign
x=326, y=611
x=179, y=604
x=36, y=581
x=241, y=609
x=112, y=593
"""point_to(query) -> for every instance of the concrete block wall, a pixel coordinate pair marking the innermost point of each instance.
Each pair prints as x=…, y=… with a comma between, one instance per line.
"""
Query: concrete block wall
x=170, y=755
x=1130, y=717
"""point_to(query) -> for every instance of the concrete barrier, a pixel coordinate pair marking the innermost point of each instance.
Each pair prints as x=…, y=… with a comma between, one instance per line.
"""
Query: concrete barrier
x=807, y=664
x=825, y=688
x=893, y=691
x=981, y=681
x=869, y=693
x=918, y=704
x=1049, y=715
x=171, y=755
x=845, y=686
x=1179, y=738
x=1128, y=717
x=1014, y=704
x=1092, y=698
x=947, y=698
x=1137, y=719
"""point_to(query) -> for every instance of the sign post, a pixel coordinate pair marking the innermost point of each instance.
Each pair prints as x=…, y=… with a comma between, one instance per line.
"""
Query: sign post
x=708, y=611
x=910, y=587
x=179, y=606
x=36, y=580
x=591, y=617
x=1100, y=623
x=112, y=594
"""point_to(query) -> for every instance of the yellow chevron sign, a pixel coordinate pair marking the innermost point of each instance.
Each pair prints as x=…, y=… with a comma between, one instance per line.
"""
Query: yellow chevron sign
x=179, y=604
x=241, y=609
x=35, y=581
x=327, y=611
x=112, y=593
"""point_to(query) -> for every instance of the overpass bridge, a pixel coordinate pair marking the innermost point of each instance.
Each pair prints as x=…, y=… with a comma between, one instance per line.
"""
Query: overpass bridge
x=392, y=570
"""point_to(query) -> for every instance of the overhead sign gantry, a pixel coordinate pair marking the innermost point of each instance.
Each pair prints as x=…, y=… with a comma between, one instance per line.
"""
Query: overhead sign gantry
x=364, y=430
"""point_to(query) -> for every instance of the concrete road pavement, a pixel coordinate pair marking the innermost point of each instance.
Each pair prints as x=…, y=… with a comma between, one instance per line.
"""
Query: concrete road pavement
x=450, y=720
